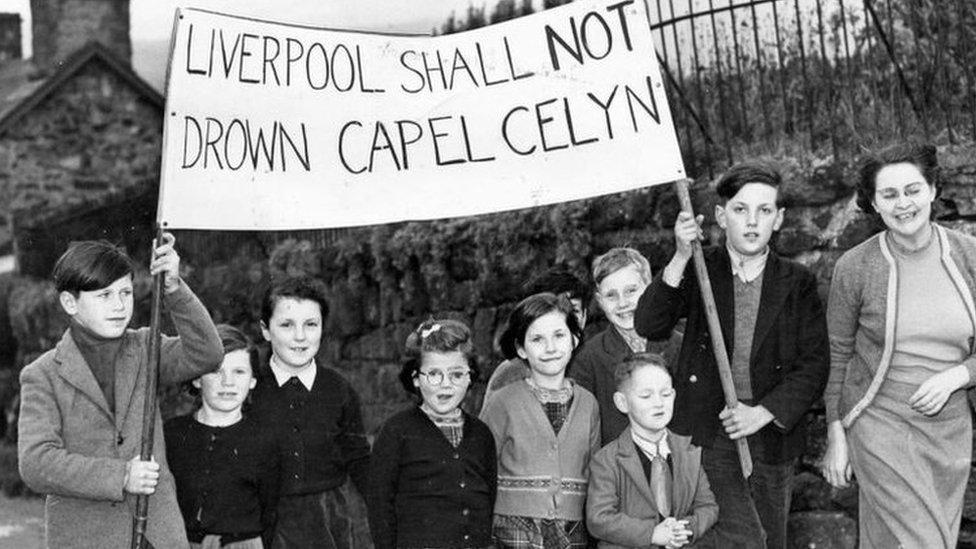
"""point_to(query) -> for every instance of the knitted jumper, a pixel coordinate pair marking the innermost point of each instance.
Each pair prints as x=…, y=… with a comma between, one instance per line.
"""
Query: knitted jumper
x=541, y=474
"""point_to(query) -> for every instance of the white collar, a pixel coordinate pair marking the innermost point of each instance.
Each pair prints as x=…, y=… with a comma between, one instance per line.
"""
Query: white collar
x=650, y=448
x=747, y=268
x=306, y=375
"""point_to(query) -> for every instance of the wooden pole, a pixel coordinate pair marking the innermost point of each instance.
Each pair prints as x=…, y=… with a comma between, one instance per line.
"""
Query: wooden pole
x=714, y=328
x=149, y=402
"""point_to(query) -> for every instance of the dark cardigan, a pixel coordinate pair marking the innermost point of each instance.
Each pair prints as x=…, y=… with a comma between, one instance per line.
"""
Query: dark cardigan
x=226, y=477
x=426, y=493
x=789, y=355
x=320, y=431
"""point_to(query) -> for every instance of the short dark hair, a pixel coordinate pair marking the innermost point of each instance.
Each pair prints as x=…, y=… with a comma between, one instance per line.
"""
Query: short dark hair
x=528, y=311
x=232, y=340
x=294, y=287
x=626, y=367
x=750, y=171
x=436, y=336
x=922, y=155
x=90, y=265
x=559, y=280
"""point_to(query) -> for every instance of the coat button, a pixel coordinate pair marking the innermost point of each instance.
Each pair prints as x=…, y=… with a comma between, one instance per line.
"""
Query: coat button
x=693, y=378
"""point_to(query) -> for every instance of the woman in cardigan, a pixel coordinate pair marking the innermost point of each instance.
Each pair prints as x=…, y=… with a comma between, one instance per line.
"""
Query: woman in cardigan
x=901, y=321
x=432, y=474
x=546, y=429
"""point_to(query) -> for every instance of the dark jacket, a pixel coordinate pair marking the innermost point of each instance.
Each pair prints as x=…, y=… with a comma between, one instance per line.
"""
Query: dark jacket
x=593, y=367
x=426, y=493
x=790, y=353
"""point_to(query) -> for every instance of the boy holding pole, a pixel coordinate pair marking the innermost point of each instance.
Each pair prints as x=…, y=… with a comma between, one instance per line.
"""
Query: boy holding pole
x=82, y=402
x=772, y=322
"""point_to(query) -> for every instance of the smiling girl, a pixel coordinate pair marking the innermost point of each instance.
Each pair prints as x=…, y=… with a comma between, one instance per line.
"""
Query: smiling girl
x=546, y=428
x=226, y=468
x=433, y=474
x=317, y=415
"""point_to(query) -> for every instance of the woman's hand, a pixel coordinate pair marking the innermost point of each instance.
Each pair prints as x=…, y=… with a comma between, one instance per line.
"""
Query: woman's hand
x=932, y=395
x=836, y=462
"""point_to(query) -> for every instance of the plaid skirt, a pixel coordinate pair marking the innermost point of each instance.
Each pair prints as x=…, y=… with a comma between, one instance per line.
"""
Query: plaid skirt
x=515, y=532
x=335, y=519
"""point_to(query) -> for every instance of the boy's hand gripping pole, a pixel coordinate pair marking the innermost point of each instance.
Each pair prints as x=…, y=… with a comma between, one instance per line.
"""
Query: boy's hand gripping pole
x=714, y=328
x=149, y=402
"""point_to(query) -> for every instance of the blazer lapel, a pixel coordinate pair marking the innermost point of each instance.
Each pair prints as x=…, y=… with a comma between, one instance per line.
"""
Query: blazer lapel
x=684, y=473
x=721, y=280
x=125, y=379
x=630, y=463
x=73, y=369
x=773, y=295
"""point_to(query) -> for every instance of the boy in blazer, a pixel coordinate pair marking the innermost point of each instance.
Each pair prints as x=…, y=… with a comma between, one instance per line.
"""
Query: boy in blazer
x=648, y=487
x=81, y=403
x=774, y=328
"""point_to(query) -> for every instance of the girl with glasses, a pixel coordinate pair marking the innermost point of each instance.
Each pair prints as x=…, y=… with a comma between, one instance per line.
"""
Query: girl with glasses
x=432, y=473
x=546, y=429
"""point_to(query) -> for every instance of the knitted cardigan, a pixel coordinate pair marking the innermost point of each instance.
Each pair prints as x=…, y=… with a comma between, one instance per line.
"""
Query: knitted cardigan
x=540, y=474
x=861, y=316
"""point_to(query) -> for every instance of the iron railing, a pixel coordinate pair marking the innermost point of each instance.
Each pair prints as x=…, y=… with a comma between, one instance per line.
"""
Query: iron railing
x=826, y=77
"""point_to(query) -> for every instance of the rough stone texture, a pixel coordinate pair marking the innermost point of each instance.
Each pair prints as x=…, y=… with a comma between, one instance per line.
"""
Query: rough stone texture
x=62, y=26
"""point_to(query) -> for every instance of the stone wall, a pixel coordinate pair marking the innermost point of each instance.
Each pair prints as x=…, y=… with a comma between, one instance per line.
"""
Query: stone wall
x=93, y=137
x=60, y=27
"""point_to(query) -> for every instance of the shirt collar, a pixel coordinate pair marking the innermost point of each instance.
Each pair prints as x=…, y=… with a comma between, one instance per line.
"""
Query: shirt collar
x=650, y=448
x=747, y=268
x=306, y=375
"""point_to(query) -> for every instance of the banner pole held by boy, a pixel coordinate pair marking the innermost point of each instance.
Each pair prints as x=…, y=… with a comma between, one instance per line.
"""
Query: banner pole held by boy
x=149, y=408
x=714, y=328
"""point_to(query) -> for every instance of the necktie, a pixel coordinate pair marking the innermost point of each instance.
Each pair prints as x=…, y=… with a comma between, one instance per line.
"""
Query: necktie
x=661, y=484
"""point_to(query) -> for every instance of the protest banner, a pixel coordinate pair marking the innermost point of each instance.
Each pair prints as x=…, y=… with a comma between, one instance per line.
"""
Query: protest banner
x=273, y=126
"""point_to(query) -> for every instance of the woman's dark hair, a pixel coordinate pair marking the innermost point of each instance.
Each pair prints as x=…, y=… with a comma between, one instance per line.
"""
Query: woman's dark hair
x=922, y=156
x=294, y=287
x=90, y=265
x=436, y=336
x=743, y=173
x=232, y=340
x=528, y=311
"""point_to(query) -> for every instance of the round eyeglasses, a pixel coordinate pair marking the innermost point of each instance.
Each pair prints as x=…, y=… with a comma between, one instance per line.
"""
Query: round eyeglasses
x=436, y=377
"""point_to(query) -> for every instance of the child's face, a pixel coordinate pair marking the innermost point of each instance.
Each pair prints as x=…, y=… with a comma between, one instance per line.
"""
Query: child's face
x=446, y=394
x=226, y=389
x=749, y=218
x=617, y=295
x=105, y=312
x=294, y=331
x=548, y=344
x=647, y=399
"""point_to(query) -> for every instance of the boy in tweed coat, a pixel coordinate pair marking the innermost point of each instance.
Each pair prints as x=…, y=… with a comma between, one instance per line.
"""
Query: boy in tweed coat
x=82, y=402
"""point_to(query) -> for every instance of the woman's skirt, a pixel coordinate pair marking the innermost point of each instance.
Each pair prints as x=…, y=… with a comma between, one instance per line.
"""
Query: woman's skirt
x=911, y=470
